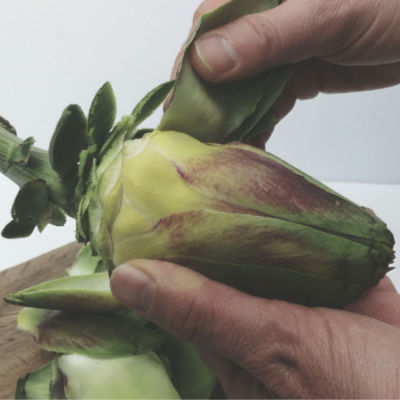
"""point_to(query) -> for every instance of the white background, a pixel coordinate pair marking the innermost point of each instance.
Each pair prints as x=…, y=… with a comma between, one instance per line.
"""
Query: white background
x=54, y=53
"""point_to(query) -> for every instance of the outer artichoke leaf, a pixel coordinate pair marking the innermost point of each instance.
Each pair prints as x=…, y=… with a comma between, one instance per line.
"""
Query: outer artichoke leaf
x=218, y=112
x=279, y=283
x=35, y=385
x=258, y=244
x=86, y=158
x=86, y=262
x=84, y=192
x=22, y=152
x=125, y=129
x=151, y=102
x=101, y=115
x=68, y=140
x=93, y=334
x=268, y=121
x=130, y=377
x=262, y=183
x=87, y=293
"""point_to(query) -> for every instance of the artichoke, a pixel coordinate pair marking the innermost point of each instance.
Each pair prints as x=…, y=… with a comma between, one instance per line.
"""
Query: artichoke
x=238, y=215
x=187, y=192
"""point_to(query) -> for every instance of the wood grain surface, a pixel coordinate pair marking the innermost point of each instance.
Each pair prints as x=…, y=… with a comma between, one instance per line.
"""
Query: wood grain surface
x=19, y=354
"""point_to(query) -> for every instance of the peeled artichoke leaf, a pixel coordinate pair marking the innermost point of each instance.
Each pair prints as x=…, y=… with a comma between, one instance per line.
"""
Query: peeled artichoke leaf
x=86, y=293
x=93, y=334
x=217, y=112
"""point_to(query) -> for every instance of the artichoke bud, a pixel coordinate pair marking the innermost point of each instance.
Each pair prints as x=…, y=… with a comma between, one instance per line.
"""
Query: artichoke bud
x=237, y=214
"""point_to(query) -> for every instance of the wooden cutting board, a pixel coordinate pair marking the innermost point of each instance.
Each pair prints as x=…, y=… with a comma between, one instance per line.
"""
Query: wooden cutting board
x=19, y=354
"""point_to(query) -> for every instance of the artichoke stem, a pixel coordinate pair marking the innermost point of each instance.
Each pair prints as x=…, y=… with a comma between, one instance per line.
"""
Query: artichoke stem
x=37, y=167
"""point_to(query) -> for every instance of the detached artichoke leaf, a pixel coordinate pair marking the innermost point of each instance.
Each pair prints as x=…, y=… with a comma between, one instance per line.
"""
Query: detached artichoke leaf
x=101, y=115
x=129, y=377
x=21, y=153
x=97, y=335
x=223, y=112
x=87, y=293
x=36, y=384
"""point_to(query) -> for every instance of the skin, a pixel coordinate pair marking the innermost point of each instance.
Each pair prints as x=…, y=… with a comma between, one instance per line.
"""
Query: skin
x=338, y=46
x=262, y=348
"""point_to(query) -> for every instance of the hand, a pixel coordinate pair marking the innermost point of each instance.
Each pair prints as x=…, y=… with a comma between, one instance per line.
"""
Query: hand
x=338, y=45
x=263, y=348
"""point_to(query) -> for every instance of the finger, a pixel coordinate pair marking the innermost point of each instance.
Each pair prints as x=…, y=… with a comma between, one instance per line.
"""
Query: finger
x=205, y=6
x=381, y=302
x=236, y=382
x=294, y=31
x=206, y=313
x=282, y=107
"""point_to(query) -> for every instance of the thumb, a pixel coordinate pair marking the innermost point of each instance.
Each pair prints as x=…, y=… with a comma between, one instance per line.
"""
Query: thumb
x=295, y=30
x=204, y=312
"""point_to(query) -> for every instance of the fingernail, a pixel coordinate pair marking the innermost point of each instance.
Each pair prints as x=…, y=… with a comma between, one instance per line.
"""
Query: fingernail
x=132, y=287
x=216, y=54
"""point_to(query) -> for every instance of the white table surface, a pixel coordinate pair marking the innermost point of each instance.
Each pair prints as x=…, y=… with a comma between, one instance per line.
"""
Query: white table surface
x=383, y=199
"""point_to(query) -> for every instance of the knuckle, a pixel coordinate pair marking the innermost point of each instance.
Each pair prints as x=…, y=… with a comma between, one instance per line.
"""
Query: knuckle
x=196, y=321
x=281, y=365
x=262, y=30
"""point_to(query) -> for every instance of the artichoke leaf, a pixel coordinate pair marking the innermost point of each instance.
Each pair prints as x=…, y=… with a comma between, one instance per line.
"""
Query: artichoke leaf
x=261, y=256
x=68, y=140
x=86, y=293
x=128, y=377
x=101, y=115
x=31, y=208
x=223, y=112
x=86, y=262
x=97, y=335
x=36, y=384
x=21, y=153
x=125, y=129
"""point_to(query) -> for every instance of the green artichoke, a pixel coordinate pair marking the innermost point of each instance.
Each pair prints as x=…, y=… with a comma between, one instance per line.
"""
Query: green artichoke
x=238, y=215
